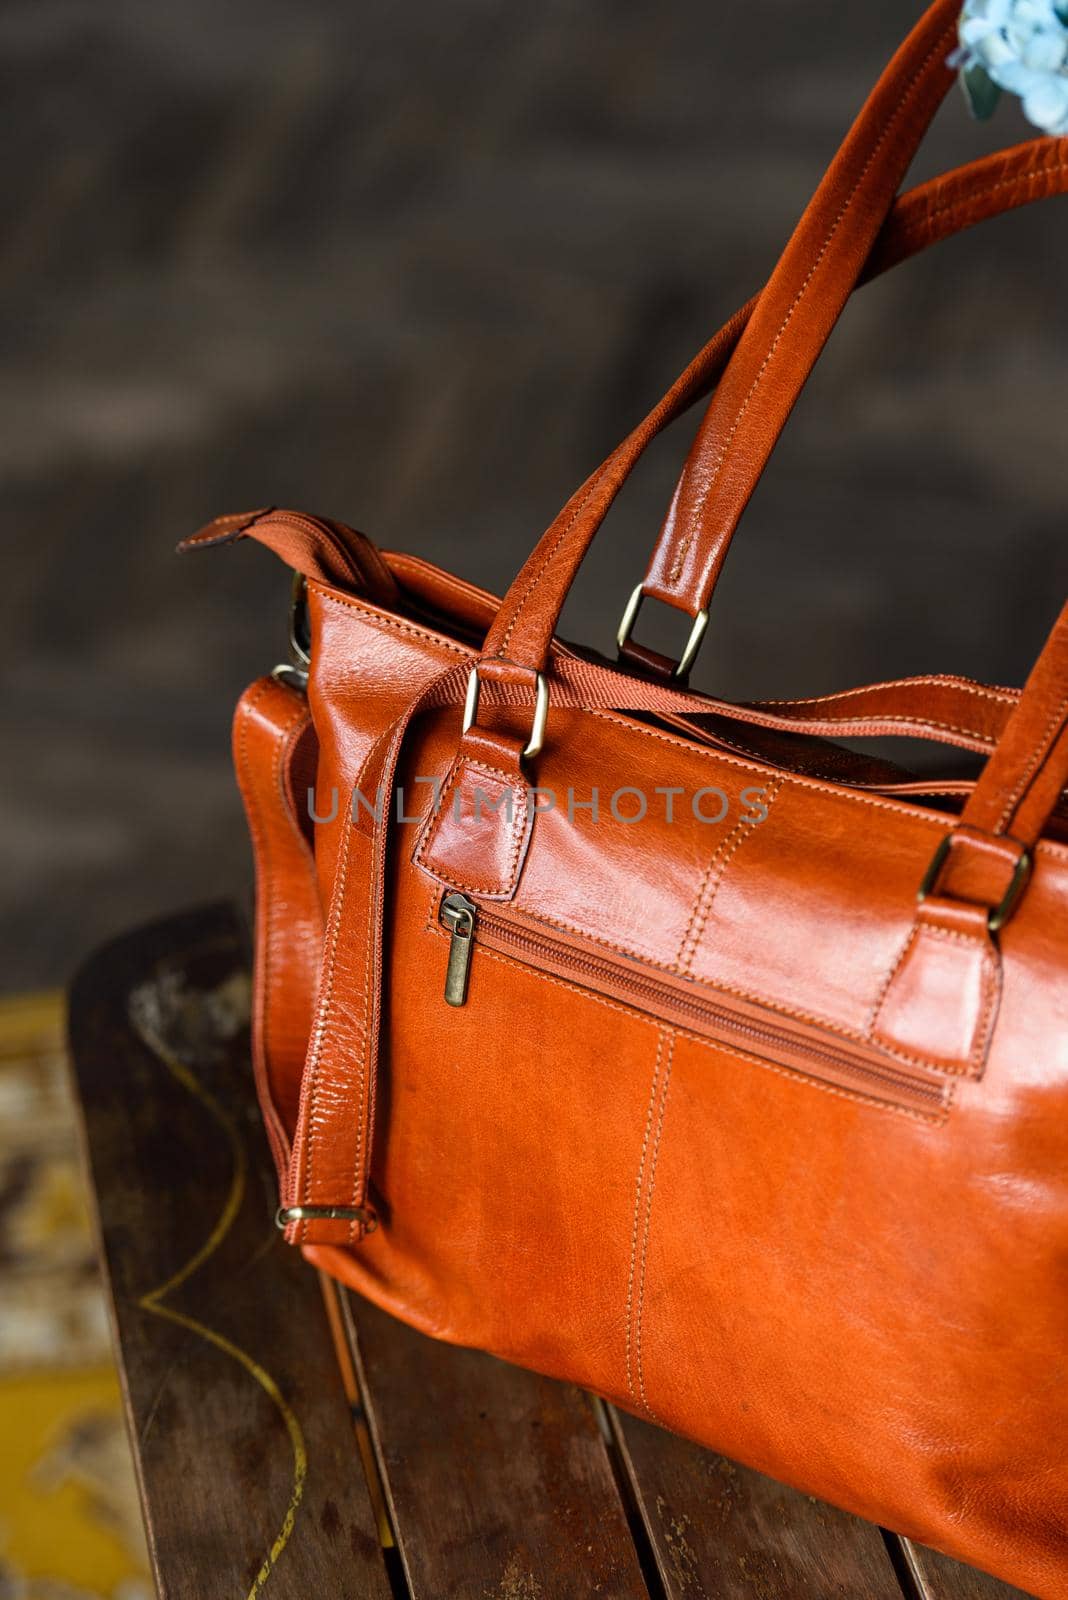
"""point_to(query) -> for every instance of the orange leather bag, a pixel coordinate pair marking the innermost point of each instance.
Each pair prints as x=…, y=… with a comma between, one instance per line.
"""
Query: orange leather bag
x=743, y=1100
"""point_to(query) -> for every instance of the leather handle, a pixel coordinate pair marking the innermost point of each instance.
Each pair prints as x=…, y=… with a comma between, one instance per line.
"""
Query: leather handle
x=688, y=556
x=783, y=334
x=798, y=310
x=1035, y=170
x=941, y=997
x=1023, y=778
x=925, y=215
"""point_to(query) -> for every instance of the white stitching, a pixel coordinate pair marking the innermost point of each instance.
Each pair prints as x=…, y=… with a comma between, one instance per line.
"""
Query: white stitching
x=661, y=1034
x=935, y=1119
x=914, y=82
x=649, y=1191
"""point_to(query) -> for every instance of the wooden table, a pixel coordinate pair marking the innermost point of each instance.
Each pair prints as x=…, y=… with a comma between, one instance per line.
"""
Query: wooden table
x=292, y=1441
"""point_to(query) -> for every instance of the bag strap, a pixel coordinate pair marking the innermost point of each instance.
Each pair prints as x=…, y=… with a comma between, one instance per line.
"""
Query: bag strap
x=798, y=309
x=275, y=753
x=690, y=551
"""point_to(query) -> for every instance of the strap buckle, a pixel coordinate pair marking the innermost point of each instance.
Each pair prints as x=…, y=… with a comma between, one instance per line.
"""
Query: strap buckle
x=1000, y=914
x=294, y=672
x=287, y=1214
x=541, y=710
x=693, y=643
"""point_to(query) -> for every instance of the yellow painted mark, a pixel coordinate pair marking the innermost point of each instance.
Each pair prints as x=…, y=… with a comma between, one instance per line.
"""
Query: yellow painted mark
x=153, y=1300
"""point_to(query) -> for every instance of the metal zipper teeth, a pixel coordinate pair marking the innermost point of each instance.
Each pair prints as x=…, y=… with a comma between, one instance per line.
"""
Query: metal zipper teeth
x=617, y=976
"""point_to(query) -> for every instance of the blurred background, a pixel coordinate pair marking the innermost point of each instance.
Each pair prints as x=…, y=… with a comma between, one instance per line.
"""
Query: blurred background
x=419, y=267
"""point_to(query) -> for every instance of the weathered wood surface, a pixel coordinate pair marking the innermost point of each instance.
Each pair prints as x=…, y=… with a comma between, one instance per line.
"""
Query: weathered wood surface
x=500, y=1481
x=240, y=1426
x=719, y=1529
x=935, y=1577
x=300, y=1443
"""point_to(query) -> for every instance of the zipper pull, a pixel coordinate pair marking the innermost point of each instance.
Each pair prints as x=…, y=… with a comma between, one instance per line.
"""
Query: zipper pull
x=458, y=915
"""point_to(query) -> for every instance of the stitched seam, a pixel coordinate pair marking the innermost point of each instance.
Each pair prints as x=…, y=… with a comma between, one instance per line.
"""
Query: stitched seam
x=1035, y=761
x=637, y=1210
x=717, y=740
x=840, y=791
x=546, y=561
x=935, y=1119
x=1020, y=180
x=827, y=1024
x=416, y=568
x=977, y=1052
x=429, y=836
x=272, y=927
x=914, y=82
x=949, y=935
x=884, y=987
x=435, y=812
x=319, y=1033
x=650, y=1188
x=875, y=720
x=933, y=680
x=369, y=941
x=1023, y=185
x=378, y=620
x=260, y=855
x=904, y=787
x=431, y=923
x=325, y=1001
x=728, y=851
x=702, y=905
x=798, y=780
x=992, y=986
x=823, y=1024
x=221, y=528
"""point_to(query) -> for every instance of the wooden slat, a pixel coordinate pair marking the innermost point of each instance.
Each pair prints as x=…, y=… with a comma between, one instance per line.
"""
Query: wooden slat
x=719, y=1529
x=499, y=1481
x=936, y=1577
x=248, y=1466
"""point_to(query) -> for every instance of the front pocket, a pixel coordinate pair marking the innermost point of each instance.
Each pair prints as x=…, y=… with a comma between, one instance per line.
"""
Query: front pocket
x=748, y=1030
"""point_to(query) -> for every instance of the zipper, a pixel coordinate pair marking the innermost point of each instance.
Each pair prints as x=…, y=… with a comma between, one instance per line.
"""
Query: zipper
x=458, y=915
x=759, y=1034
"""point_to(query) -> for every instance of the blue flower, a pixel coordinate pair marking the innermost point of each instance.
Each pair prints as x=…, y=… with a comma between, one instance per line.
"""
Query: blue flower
x=1021, y=46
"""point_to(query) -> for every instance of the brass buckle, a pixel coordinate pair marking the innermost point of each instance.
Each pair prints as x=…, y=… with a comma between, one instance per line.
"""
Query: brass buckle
x=541, y=710
x=693, y=643
x=287, y=1214
x=294, y=672
x=996, y=918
